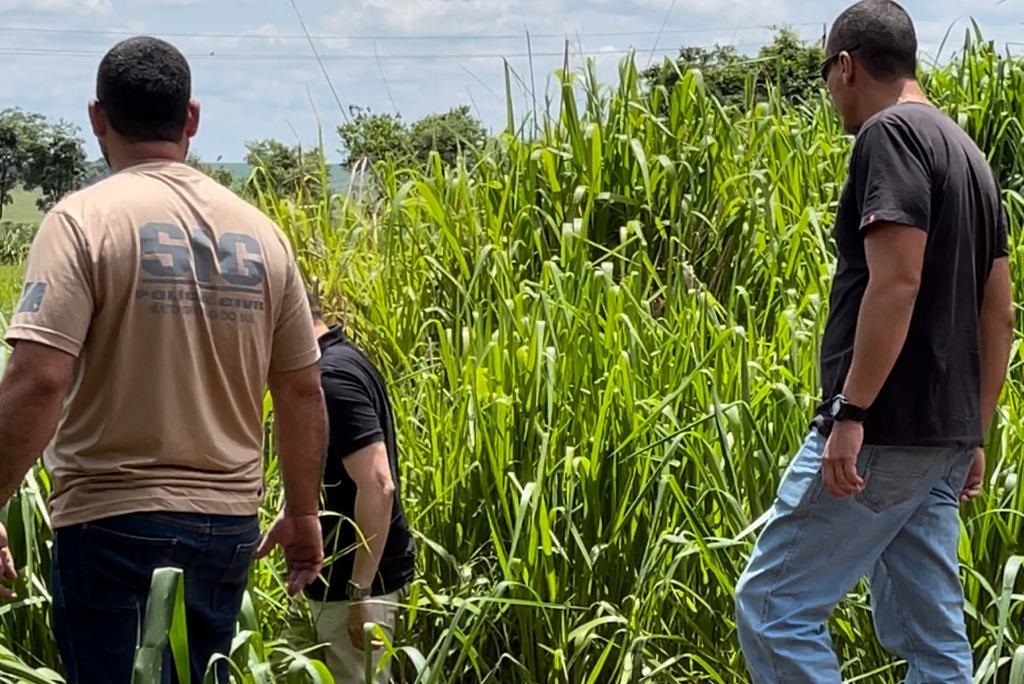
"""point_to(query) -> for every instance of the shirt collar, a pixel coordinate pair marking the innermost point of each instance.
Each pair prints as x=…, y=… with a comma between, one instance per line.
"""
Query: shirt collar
x=336, y=335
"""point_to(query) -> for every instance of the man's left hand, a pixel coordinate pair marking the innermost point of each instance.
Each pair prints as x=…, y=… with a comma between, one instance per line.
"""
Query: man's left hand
x=839, y=462
x=301, y=539
x=359, y=614
x=7, y=570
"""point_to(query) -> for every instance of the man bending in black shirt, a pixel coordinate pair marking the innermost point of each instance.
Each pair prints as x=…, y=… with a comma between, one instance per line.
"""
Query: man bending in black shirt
x=370, y=552
x=912, y=364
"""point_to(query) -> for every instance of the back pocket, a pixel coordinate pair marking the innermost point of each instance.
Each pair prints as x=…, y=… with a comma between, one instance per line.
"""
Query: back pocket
x=227, y=595
x=118, y=557
x=892, y=476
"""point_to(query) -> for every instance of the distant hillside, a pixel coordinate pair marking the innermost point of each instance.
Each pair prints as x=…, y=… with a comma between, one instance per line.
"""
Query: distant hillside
x=24, y=210
x=340, y=176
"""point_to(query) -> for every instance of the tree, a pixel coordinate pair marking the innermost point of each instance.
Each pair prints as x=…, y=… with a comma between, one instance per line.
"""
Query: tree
x=792, y=65
x=370, y=137
x=56, y=163
x=448, y=134
x=95, y=171
x=788, y=63
x=286, y=171
x=725, y=71
x=19, y=132
x=217, y=173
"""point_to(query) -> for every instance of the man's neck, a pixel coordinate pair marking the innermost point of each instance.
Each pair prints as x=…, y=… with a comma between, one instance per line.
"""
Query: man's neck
x=320, y=329
x=898, y=92
x=145, y=153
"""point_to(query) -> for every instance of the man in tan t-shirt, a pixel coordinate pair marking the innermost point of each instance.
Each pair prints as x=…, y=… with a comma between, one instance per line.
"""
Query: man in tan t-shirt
x=157, y=307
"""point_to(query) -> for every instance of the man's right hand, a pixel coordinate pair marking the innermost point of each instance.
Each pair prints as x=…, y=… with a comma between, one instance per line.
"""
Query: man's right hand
x=7, y=570
x=975, y=479
x=302, y=541
x=839, y=460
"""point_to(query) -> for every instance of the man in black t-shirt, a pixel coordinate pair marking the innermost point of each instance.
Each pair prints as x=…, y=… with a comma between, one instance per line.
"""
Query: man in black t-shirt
x=912, y=364
x=370, y=551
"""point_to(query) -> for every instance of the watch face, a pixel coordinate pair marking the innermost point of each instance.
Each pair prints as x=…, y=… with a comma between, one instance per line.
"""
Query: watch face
x=837, y=405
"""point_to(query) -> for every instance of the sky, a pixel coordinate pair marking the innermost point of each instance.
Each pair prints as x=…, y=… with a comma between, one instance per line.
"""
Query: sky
x=255, y=75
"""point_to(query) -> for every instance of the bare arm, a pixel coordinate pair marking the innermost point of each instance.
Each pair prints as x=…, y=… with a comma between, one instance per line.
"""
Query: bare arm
x=895, y=256
x=300, y=425
x=375, y=492
x=31, y=399
x=995, y=337
x=32, y=395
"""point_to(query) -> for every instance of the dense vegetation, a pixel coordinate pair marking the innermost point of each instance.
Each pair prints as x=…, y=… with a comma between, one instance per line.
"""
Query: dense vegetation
x=602, y=345
x=36, y=154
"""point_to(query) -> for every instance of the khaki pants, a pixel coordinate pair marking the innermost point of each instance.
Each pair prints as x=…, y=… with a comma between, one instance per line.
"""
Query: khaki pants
x=348, y=665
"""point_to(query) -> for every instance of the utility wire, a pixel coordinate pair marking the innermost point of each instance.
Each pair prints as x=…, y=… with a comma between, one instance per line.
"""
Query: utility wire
x=316, y=55
x=661, y=31
x=463, y=37
x=384, y=78
x=213, y=55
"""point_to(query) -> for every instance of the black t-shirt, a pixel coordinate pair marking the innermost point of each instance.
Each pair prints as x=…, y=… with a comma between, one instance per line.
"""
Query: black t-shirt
x=359, y=415
x=912, y=165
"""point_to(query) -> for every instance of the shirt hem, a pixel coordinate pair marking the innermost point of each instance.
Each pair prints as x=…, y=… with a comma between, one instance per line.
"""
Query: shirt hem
x=45, y=337
x=823, y=426
x=357, y=445
x=297, y=362
x=210, y=506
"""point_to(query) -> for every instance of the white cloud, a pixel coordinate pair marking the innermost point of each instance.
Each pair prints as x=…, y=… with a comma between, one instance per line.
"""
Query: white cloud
x=183, y=3
x=253, y=98
x=53, y=6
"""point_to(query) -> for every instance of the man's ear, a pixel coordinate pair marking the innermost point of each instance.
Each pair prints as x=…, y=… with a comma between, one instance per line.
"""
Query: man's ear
x=192, y=119
x=98, y=119
x=848, y=67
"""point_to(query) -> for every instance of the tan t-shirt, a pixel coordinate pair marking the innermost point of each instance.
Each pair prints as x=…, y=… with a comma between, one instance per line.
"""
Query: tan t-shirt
x=178, y=299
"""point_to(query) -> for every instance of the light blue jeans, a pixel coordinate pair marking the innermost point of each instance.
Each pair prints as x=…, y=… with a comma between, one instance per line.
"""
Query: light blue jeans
x=903, y=530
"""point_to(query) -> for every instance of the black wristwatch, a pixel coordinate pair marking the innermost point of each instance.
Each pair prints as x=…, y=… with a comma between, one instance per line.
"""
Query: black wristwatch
x=356, y=592
x=842, y=410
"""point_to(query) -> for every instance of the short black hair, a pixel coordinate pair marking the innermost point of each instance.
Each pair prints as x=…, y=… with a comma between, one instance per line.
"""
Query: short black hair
x=313, y=296
x=144, y=85
x=880, y=35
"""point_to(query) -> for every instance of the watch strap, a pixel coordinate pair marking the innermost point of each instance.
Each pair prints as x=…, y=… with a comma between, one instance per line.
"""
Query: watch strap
x=356, y=592
x=848, y=412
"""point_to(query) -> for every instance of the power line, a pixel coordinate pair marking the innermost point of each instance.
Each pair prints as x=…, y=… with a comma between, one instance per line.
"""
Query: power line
x=661, y=31
x=316, y=56
x=231, y=56
x=464, y=37
x=62, y=52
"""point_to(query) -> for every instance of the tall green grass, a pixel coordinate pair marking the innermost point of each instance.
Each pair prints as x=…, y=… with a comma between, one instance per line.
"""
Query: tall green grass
x=602, y=348
x=604, y=345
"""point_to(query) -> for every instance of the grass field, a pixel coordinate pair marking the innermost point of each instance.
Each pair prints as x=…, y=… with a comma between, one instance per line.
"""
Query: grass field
x=10, y=288
x=23, y=209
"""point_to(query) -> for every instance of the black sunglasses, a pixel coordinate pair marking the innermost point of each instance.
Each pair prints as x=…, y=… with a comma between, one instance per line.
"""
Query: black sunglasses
x=829, y=61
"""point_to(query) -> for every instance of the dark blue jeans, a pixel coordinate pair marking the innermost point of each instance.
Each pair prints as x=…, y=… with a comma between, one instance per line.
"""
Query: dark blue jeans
x=101, y=577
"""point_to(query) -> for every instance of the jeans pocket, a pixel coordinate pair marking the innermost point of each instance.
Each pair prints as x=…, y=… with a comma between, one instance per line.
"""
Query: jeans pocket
x=891, y=477
x=227, y=595
x=802, y=480
x=118, y=557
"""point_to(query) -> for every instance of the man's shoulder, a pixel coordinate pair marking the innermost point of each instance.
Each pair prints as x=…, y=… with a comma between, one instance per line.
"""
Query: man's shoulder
x=916, y=121
x=345, y=357
x=78, y=202
x=921, y=131
x=347, y=361
x=131, y=194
